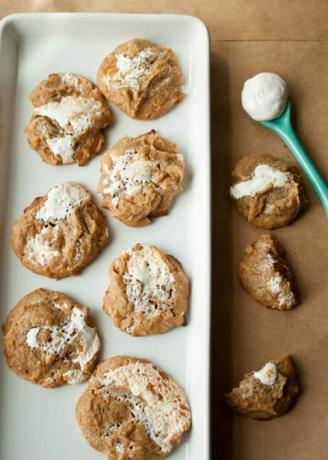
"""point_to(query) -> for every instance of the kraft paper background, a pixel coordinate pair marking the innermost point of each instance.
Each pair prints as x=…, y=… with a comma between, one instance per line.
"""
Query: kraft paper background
x=248, y=36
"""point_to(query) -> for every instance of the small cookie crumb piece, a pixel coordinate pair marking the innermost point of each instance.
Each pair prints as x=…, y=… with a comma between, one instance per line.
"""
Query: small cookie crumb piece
x=268, y=393
x=265, y=273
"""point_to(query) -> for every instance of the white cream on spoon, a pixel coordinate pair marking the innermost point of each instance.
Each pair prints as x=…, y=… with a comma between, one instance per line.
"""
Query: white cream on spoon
x=264, y=96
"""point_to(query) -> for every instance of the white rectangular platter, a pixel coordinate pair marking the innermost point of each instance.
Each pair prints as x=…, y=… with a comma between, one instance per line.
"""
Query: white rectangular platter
x=36, y=423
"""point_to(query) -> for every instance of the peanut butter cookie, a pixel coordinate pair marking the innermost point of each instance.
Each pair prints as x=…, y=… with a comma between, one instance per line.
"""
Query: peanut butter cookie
x=140, y=178
x=68, y=119
x=148, y=291
x=265, y=274
x=133, y=410
x=50, y=340
x=142, y=79
x=268, y=393
x=60, y=233
x=267, y=192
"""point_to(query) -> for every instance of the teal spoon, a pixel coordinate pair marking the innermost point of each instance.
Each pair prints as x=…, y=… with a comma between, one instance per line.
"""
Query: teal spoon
x=283, y=127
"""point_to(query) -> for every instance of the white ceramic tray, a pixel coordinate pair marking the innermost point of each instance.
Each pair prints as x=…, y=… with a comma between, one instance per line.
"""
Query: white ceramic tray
x=39, y=424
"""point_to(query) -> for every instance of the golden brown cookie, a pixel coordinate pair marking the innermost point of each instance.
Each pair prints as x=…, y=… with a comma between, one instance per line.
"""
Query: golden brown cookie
x=68, y=119
x=268, y=393
x=132, y=410
x=61, y=232
x=142, y=79
x=148, y=291
x=265, y=273
x=140, y=178
x=49, y=339
x=266, y=191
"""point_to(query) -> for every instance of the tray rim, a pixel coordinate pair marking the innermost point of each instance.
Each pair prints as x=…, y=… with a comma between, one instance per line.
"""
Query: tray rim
x=22, y=18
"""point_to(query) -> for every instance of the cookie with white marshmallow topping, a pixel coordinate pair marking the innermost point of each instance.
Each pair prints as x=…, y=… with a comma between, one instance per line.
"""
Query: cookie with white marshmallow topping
x=266, y=191
x=265, y=273
x=49, y=339
x=267, y=393
x=61, y=232
x=68, y=119
x=142, y=79
x=133, y=410
x=140, y=178
x=148, y=291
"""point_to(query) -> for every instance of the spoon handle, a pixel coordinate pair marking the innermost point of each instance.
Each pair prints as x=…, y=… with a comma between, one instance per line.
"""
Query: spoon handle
x=292, y=141
x=283, y=127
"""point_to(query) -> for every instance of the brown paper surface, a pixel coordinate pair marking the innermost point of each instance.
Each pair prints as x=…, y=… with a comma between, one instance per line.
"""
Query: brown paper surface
x=226, y=19
x=244, y=334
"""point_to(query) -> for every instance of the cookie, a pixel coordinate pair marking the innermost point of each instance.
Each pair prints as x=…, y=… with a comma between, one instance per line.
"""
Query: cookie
x=268, y=393
x=148, y=291
x=61, y=232
x=49, y=339
x=133, y=410
x=140, y=178
x=142, y=79
x=68, y=119
x=266, y=191
x=265, y=273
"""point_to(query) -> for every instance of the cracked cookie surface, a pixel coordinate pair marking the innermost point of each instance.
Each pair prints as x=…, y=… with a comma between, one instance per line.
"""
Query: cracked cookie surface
x=265, y=273
x=61, y=232
x=267, y=393
x=142, y=79
x=49, y=339
x=132, y=410
x=140, y=178
x=148, y=291
x=266, y=191
x=68, y=119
